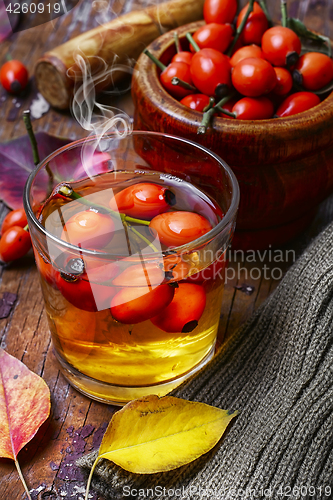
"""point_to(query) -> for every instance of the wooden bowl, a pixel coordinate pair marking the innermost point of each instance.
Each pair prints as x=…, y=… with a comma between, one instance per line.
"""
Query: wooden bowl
x=284, y=166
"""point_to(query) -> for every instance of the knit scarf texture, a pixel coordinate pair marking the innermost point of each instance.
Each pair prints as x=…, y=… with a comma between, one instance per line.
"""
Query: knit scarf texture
x=276, y=370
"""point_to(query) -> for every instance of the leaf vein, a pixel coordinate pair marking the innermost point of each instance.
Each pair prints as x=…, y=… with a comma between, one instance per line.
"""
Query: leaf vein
x=8, y=157
x=162, y=437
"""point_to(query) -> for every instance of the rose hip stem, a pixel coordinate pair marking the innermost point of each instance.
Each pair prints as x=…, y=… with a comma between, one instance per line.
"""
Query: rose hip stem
x=34, y=146
x=28, y=126
x=155, y=60
x=209, y=114
x=263, y=5
x=225, y=111
x=143, y=238
x=175, y=80
x=284, y=17
x=177, y=44
x=192, y=42
x=210, y=105
x=240, y=27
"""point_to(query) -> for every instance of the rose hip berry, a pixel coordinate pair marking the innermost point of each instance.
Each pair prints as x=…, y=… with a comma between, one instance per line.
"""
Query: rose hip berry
x=14, y=244
x=210, y=70
x=88, y=228
x=244, y=53
x=219, y=11
x=80, y=289
x=255, y=26
x=213, y=36
x=313, y=70
x=197, y=102
x=132, y=305
x=254, y=77
x=14, y=76
x=179, y=228
x=253, y=108
x=284, y=81
x=179, y=70
x=184, y=311
x=144, y=200
x=14, y=218
x=296, y=103
x=281, y=46
x=183, y=56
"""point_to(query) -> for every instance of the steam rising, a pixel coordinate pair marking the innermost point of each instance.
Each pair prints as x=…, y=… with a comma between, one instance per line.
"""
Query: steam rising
x=98, y=119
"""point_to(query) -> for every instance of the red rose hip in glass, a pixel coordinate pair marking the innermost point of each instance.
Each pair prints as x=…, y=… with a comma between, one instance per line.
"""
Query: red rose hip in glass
x=131, y=260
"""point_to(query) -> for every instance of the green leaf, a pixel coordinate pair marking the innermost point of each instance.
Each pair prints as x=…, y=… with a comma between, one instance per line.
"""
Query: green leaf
x=309, y=36
x=301, y=30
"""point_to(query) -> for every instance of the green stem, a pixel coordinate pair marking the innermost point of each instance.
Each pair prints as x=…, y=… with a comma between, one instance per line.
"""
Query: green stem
x=226, y=112
x=67, y=191
x=284, y=17
x=177, y=81
x=34, y=146
x=26, y=228
x=8, y=57
x=263, y=5
x=210, y=105
x=143, y=238
x=225, y=100
x=28, y=126
x=127, y=239
x=205, y=121
x=209, y=114
x=177, y=44
x=192, y=42
x=240, y=27
x=22, y=478
x=127, y=218
x=155, y=60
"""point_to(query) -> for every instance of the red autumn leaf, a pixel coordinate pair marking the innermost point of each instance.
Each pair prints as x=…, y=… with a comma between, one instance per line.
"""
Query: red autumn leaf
x=24, y=405
x=16, y=163
x=6, y=27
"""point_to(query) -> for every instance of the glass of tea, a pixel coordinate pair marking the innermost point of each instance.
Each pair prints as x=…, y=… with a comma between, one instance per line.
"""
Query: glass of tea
x=130, y=237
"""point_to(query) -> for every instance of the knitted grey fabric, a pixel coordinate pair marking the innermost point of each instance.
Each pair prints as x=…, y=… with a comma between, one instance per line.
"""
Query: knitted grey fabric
x=277, y=372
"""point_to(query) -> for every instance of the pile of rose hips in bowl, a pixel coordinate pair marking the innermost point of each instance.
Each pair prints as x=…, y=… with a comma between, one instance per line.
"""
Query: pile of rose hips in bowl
x=249, y=70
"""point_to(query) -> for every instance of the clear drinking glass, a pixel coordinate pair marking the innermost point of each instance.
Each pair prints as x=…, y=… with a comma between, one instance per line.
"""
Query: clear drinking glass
x=129, y=314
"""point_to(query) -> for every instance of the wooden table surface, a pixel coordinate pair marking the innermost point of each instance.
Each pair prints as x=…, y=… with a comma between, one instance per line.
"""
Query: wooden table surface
x=76, y=424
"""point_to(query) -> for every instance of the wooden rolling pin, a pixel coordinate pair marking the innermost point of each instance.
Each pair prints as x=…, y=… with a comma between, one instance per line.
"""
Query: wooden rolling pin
x=124, y=37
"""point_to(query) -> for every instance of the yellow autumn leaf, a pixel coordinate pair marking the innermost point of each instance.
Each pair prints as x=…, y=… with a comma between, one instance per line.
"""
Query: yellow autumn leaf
x=159, y=434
